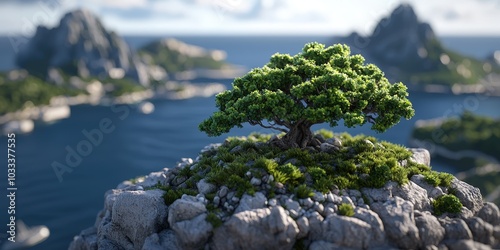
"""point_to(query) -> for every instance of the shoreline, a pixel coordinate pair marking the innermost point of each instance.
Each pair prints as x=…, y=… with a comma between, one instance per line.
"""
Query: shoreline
x=172, y=90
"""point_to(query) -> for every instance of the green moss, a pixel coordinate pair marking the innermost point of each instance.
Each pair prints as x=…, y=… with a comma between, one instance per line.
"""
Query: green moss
x=438, y=179
x=303, y=192
x=447, y=204
x=213, y=219
x=326, y=134
x=172, y=195
x=355, y=166
x=346, y=210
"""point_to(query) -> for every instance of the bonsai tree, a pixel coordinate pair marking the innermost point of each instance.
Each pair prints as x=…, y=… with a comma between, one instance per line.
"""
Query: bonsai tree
x=292, y=93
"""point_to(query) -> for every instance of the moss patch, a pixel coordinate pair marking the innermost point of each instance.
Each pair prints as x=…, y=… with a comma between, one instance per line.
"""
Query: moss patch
x=362, y=161
x=447, y=204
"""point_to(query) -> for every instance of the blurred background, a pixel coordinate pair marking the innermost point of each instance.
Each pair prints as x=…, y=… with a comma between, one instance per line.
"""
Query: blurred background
x=99, y=92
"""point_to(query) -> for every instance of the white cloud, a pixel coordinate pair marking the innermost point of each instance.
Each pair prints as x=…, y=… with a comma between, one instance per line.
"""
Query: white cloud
x=267, y=16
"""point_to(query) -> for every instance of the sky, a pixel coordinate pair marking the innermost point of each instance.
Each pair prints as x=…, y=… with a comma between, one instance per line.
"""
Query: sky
x=252, y=17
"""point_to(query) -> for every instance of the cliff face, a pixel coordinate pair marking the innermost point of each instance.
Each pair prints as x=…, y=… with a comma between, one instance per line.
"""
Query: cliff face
x=80, y=46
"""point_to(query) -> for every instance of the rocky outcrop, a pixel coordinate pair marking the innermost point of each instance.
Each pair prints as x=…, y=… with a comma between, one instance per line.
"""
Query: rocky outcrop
x=81, y=46
x=407, y=50
x=394, y=216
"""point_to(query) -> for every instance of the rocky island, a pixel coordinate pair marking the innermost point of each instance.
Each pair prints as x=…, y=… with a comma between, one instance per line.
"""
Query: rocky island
x=299, y=189
x=243, y=194
x=408, y=50
x=80, y=61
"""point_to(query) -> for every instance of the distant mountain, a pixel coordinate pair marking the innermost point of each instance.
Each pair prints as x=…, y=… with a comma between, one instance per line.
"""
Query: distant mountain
x=80, y=46
x=409, y=51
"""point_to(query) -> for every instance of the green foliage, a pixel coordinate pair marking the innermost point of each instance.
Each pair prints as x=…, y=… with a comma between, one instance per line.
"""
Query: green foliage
x=438, y=179
x=174, y=60
x=172, y=195
x=213, y=219
x=327, y=134
x=346, y=210
x=447, y=204
x=14, y=95
x=303, y=192
x=465, y=132
x=291, y=93
x=370, y=167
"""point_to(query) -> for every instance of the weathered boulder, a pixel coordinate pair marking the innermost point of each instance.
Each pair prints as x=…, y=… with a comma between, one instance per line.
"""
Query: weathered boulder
x=377, y=232
x=431, y=233
x=413, y=193
x=421, y=156
x=399, y=222
x=248, y=202
x=263, y=228
x=135, y=222
x=468, y=195
x=165, y=239
x=466, y=244
x=481, y=231
x=490, y=213
x=455, y=229
x=340, y=230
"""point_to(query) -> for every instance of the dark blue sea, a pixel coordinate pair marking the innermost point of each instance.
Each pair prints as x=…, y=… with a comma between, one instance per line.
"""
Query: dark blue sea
x=140, y=143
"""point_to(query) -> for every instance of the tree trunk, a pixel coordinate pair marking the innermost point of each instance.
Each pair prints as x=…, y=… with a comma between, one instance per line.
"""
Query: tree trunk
x=299, y=136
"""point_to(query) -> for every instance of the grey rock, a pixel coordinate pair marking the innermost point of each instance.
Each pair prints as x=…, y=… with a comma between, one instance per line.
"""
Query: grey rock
x=272, y=202
x=328, y=148
x=490, y=213
x=86, y=240
x=432, y=191
x=249, y=202
x=377, y=232
x=481, y=231
x=185, y=209
x=347, y=200
x=341, y=230
x=421, y=156
x=413, y=193
x=193, y=233
x=466, y=244
x=355, y=193
x=325, y=245
x=204, y=187
x=399, y=223
x=379, y=194
x=318, y=196
x=307, y=202
x=303, y=225
x=216, y=201
x=152, y=179
x=455, y=229
x=334, y=141
x=429, y=229
x=223, y=191
x=255, y=181
x=263, y=228
x=315, y=228
x=468, y=195
x=369, y=143
x=165, y=239
x=135, y=222
x=291, y=204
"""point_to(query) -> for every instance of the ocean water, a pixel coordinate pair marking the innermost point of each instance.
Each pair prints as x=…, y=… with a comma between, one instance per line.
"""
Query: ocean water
x=140, y=143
